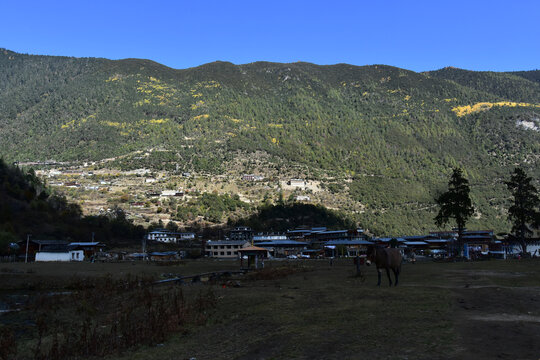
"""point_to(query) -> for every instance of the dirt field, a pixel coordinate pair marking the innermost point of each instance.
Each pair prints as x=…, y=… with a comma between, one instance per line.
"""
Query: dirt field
x=481, y=310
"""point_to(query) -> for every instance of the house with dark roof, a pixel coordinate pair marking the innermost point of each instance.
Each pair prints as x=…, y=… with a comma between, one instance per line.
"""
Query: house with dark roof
x=35, y=246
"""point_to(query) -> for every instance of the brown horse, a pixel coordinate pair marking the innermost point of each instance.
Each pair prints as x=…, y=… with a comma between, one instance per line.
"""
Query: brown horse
x=385, y=258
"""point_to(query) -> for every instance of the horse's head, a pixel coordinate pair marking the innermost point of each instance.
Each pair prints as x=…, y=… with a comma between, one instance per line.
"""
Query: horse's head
x=370, y=255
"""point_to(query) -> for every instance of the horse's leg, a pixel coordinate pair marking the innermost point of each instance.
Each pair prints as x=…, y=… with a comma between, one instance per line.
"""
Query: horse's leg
x=379, y=277
x=388, y=274
x=396, y=275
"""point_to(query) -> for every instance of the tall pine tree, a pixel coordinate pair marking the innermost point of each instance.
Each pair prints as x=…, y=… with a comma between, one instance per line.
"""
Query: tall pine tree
x=524, y=209
x=455, y=204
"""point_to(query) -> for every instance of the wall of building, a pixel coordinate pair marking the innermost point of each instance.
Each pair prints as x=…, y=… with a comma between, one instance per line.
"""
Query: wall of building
x=77, y=255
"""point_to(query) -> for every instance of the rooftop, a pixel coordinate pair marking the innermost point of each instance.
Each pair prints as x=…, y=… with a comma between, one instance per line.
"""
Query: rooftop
x=348, y=242
x=282, y=243
x=226, y=242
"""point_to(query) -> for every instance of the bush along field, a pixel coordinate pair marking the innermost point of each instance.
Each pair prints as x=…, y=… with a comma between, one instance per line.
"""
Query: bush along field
x=102, y=316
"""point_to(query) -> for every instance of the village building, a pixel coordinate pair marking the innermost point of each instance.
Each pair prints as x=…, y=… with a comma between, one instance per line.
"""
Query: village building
x=89, y=249
x=318, y=237
x=35, y=246
x=346, y=248
x=67, y=255
x=266, y=237
x=161, y=235
x=299, y=234
x=167, y=236
x=297, y=183
x=476, y=243
x=283, y=248
x=186, y=236
x=241, y=233
x=226, y=249
x=168, y=193
x=252, y=177
x=58, y=250
x=255, y=255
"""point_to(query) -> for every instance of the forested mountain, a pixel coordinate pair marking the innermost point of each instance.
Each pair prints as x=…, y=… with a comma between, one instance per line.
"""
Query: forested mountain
x=395, y=132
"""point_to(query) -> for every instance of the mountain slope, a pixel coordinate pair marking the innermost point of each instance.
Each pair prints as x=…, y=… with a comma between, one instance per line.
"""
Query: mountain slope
x=395, y=132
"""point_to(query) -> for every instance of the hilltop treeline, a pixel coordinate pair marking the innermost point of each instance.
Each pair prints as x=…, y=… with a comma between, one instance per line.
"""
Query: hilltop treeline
x=282, y=217
x=27, y=206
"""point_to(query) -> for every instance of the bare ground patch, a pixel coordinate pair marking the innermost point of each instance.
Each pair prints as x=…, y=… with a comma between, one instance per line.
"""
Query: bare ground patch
x=498, y=322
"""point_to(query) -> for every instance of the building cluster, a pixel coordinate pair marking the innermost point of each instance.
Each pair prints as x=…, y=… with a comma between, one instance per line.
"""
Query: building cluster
x=243, y=242
x=320, y=242
x=59, y=250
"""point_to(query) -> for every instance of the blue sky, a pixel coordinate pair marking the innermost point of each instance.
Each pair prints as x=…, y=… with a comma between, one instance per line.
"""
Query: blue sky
x=416, y=35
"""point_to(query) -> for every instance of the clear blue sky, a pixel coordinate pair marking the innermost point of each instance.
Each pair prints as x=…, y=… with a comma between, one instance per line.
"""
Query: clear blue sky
x=416, y=35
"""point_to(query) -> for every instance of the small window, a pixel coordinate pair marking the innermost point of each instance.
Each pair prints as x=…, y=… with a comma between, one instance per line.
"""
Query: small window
x=228, y=253
x=222, y=253
x=235, y=252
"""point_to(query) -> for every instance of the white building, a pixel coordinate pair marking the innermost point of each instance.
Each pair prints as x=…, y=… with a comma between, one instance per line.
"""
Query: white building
x=166, y=236
x=297, y=183
x=75, y=255
x=269, y=237
x=171, y=193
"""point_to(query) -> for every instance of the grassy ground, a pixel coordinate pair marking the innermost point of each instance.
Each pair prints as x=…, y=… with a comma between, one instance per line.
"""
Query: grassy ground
x=311, y=310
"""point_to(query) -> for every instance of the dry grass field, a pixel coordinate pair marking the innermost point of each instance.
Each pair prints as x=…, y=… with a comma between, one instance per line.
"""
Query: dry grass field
x=304, y=309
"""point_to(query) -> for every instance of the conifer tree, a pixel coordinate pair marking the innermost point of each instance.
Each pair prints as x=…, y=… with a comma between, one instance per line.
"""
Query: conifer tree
x=524, y=209
x=455, y=204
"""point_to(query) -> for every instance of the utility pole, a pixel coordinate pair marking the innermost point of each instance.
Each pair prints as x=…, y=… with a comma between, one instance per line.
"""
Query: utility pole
x=144, y=247
x=27, y=242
